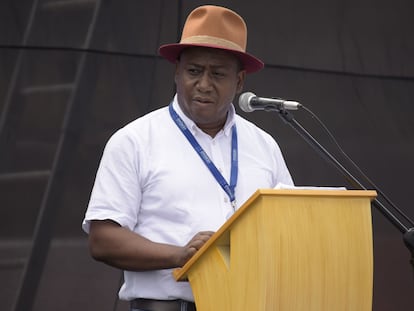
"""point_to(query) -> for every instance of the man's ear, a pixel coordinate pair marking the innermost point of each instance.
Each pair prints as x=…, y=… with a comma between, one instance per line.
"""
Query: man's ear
x=176, y=72
x=240, y=83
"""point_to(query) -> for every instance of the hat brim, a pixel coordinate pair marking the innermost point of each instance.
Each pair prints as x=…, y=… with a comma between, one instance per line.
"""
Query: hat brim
x=171, y=52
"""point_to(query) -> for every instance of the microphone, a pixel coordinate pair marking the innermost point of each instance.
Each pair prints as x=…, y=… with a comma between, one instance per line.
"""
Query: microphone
x=249, y=102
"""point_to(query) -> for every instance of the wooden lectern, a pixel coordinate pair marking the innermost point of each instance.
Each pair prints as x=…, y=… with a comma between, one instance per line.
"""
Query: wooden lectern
x=288, y=250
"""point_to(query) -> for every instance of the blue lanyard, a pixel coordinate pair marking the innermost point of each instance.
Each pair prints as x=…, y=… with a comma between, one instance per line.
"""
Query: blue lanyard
x=229, y=189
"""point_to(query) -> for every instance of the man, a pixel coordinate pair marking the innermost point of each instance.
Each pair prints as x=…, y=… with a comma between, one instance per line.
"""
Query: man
x=168, y=180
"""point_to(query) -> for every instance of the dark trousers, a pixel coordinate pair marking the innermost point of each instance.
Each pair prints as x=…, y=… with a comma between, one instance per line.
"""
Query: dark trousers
x=161, y=305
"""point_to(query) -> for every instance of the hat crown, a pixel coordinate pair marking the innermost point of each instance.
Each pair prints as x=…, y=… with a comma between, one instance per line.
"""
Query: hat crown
x=217, y=25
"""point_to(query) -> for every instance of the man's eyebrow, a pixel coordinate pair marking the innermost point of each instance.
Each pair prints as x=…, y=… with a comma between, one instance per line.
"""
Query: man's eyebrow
x=194, y=64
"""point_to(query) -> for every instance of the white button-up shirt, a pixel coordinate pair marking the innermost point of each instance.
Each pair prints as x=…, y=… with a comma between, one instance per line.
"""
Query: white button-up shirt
x=152, y=181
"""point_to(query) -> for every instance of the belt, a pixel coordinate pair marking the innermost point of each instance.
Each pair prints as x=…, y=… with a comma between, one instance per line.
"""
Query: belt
x=162, y=305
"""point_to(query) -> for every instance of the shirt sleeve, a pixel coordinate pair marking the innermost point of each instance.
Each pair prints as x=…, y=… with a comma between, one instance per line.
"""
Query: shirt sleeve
x=116, y=194
x=282, y=172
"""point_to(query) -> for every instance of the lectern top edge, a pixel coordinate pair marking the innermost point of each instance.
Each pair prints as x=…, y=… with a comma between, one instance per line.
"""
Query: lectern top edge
x=316, y=192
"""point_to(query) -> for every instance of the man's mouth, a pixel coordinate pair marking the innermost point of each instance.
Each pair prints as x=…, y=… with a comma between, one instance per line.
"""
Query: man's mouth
x=203, y=100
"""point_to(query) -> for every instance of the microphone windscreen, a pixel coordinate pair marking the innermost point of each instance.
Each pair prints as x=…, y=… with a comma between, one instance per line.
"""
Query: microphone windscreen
x=244, y=101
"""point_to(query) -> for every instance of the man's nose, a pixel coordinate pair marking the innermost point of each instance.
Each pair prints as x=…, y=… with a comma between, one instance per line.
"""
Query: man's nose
x=205, y=82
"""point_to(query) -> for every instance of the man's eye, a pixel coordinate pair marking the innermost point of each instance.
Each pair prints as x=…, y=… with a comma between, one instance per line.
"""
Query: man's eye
x=219, y=74
x=194, y=71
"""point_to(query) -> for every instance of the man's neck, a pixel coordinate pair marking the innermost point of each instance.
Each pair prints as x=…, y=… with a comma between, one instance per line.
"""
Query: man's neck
x=211, y=130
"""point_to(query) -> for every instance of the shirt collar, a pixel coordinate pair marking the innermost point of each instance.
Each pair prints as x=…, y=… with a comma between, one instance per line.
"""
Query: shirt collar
x=194, y=128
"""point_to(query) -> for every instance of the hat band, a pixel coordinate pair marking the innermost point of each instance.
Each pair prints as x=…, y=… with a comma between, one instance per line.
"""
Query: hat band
x=212, y=40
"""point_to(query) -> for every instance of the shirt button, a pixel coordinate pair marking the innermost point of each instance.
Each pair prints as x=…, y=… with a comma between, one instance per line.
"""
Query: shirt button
x=226, y=200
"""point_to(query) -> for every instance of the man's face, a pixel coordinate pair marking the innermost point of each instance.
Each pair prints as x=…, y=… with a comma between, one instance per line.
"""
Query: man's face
x=207, y=81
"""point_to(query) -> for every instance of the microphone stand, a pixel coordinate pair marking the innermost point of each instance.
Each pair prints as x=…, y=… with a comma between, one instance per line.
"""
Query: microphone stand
x=408, y=232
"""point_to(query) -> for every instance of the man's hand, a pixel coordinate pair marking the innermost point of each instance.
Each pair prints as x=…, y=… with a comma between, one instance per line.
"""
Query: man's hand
x=194, y=245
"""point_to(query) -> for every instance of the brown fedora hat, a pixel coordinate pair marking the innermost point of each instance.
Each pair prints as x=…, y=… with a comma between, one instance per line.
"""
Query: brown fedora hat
x=214, y=27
